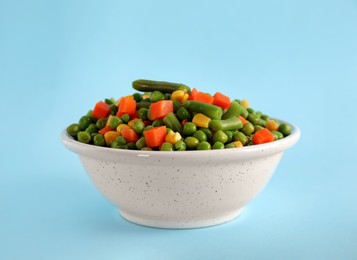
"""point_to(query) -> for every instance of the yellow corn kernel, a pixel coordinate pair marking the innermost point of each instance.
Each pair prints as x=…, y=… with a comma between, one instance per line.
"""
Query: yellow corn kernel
x=146, y=97
x=238, y=144
x=179, y=95
x=272, y=125
x=131, y=122
x=121, y=126
x=245, y=103
x=172, y=137
x=109, y=118
x=201, y=120
x=110, y=137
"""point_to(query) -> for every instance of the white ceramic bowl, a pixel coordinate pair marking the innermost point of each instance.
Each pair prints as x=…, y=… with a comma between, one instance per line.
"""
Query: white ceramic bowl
x=187, y=189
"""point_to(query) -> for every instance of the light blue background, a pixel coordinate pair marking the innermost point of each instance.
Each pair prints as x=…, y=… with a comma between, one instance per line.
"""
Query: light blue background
x=296, y=60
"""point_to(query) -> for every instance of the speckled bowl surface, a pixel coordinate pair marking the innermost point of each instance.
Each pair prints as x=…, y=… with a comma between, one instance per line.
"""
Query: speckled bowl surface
x=187, y=189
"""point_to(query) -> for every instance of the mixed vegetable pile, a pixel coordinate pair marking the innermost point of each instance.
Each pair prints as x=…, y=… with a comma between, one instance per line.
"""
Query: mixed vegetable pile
x=168, y=116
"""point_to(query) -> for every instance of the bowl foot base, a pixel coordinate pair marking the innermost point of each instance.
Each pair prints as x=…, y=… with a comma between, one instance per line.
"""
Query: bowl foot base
x=179, y=223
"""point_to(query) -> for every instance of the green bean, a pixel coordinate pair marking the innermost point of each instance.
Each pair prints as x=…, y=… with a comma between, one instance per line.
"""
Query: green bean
x=183, y=114
x=177, y=105
x=265, y=117
x=234, y=110
x=140, y=144
x=248, y=128
x=84, y=122
x=229, y=135
x=240, y=137
x=165, y=87
x=232, y=123
x=143, y=104
x=253, y=119
x=212, y=111
x=172, y=122
x=73, y=130
x=230, y=145
x=207, y=132
x=113, y=109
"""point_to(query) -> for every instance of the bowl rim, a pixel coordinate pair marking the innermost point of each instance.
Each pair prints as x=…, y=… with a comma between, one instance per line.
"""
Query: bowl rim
x=98, y=152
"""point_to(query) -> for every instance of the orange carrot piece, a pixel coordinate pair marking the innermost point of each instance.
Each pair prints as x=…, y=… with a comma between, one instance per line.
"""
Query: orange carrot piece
x=193, y=94
x=129, y=135
x=203, y=97
x=105, y=129
x=155, y=137
x=263, y=136
x=221, y=100
x=161, y=109
x=127, y=106
x=100, y=110
x=244, y=121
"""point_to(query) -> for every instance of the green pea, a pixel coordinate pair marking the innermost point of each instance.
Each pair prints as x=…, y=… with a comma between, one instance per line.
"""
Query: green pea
x=143, y=113
x=120, y=140
x=101, y=123
x=241, y=137
x=156, y=96
x=220, y=136
x=138, y=127
x=230, y=145
x=146, y=149
x=125, y=118
x=285, y=129
x=131, y=145
x=73, y=130
x=92, y=128
x=253, y=119
x=262, y=122
x=148, y=128
x=109, y=101
x=277, y=134
x=248, y=128
x=99, y=140
x=167, y=96
x=84, y=137
x=250, y=110
x=191, y=142
x=229, y=135
x=189, y=129
x=114, y=122
x=200, y=135
x=207, y=132
x=113, y=109
x=117, y=145
x=257, y=128
x=140, y=144
x=84, y=122
x=176, y=105
x=258, y=114
x=183, y=114
x=204, y=145
x=166, y=146
x=137, y=96
x=180, y=145
x=157, y=122
x=218, y=145
x=265, y=117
